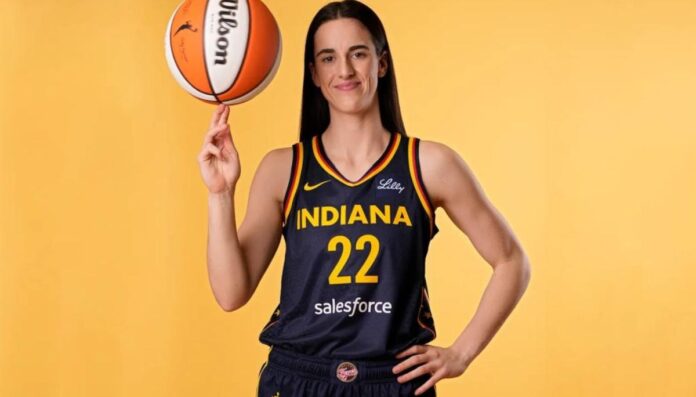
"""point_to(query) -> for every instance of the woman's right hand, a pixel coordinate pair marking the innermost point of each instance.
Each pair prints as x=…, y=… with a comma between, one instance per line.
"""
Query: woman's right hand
x=218, y=159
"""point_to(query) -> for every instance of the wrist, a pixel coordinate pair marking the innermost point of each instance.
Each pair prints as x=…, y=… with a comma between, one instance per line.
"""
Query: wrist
x=223, y=195
x=466, y=353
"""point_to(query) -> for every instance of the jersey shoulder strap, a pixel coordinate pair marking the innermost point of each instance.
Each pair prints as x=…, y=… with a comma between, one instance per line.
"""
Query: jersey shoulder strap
x=417, y=179
x=298, y=161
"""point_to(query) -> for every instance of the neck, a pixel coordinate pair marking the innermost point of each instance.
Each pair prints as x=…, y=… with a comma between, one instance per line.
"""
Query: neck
x=355, y=137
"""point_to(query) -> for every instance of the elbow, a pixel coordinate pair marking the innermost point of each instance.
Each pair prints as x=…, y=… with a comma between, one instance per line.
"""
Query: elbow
x=232, y=306
x=525, y=271
x=520, y=266
x=233, y=303
x=228, y=306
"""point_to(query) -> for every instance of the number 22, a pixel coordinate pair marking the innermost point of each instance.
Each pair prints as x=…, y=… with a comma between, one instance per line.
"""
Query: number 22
x=361, y=276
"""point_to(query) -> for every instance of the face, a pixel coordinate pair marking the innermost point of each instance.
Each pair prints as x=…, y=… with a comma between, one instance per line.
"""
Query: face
x=345, y=65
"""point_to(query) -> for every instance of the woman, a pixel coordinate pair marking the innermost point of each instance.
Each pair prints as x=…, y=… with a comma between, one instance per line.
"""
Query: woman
x=355, y=200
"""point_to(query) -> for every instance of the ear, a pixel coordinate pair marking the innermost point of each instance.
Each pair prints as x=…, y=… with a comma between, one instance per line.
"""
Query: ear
x=313, y=72
x=383, y=64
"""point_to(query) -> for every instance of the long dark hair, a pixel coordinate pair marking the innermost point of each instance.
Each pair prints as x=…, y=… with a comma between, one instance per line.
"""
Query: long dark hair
x=315, y=115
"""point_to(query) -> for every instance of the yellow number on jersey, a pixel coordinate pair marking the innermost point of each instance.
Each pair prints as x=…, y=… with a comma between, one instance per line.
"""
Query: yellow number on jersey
x=362, y=276
x=334, y=278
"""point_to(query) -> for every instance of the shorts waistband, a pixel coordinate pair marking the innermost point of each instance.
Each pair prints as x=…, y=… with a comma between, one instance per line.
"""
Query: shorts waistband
x=334, y=369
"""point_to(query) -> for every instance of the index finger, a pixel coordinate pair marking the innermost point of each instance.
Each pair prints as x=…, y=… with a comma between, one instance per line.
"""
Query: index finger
x=216, y=115
x=224, y=116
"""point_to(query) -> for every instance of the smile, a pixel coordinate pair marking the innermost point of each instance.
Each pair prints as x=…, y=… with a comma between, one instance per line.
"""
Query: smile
x=347, y=86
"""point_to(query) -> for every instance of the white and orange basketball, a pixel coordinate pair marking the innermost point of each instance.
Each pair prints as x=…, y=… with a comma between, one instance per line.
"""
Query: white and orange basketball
x=223, y=51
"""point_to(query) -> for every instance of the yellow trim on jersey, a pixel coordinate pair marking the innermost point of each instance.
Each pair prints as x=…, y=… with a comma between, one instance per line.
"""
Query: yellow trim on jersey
x=330, y=171
x=265, y=363
x=419, y=189
x=296, y=171
x=424, y=294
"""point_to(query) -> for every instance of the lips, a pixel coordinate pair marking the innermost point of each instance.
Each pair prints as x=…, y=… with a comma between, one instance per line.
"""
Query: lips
x=348, y=86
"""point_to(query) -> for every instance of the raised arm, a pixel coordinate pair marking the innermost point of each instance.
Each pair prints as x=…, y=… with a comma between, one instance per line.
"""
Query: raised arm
x=237, y=260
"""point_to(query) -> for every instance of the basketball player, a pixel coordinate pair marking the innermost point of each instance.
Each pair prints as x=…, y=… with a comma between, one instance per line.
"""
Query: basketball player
x=355, y=201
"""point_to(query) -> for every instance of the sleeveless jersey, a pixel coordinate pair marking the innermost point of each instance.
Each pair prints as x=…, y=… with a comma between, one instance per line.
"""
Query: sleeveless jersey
x=353, y=281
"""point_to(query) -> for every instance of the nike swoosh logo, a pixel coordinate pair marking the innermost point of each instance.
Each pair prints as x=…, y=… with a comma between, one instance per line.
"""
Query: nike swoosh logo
x=308, y=187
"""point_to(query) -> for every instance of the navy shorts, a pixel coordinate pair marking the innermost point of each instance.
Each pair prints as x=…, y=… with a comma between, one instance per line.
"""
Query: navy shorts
x=289, y=374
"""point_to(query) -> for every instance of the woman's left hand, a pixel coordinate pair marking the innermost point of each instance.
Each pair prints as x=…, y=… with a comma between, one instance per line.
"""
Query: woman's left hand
x=439, y=362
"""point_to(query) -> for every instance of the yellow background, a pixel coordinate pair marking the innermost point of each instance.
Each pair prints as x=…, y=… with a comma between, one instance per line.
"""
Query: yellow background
x=576, y=117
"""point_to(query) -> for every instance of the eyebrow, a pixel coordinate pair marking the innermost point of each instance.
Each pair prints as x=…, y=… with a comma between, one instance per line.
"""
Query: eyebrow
x=331, y=50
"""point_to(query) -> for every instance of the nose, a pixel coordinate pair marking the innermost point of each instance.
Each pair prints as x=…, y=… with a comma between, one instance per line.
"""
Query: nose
x=346, y=69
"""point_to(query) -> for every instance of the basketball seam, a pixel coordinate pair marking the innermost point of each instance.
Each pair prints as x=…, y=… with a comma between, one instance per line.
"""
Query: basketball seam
x=205, y=55
x=171, y=50
x=246, y=50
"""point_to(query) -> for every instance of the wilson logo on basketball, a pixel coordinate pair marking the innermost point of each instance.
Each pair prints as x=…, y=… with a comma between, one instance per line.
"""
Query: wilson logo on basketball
x=226, y=22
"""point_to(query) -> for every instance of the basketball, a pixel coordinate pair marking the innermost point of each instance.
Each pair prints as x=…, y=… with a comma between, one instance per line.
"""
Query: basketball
x=224, y=51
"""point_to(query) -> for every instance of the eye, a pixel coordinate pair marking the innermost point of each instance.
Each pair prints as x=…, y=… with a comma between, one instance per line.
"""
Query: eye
x=360, y=54
x=326, y=58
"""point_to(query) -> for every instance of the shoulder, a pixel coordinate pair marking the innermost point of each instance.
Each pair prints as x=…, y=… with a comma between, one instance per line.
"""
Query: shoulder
x=274, y=170
x=278, y=157
x=441, y=169
x=435, y=153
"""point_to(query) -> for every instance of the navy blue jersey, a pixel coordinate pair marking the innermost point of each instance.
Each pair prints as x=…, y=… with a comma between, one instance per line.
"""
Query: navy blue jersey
x=353, y=282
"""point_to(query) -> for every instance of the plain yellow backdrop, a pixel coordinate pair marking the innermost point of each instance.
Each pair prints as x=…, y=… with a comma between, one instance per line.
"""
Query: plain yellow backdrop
x=578, y=119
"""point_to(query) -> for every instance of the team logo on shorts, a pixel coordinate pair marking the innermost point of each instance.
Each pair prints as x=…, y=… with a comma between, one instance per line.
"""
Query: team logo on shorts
x=346, y=372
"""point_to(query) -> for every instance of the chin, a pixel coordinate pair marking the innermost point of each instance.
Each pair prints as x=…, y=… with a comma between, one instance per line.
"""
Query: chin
x=350, y=109
x=350, y=106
